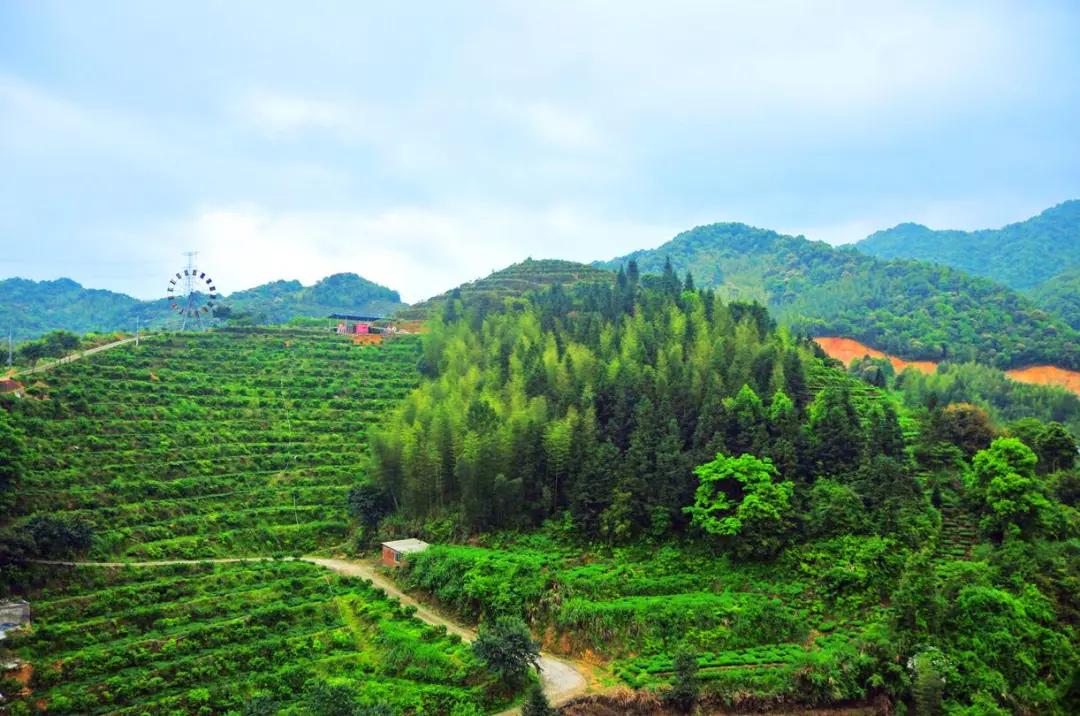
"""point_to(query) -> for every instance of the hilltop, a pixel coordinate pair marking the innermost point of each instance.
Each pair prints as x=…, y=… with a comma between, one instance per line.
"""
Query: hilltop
x=278, y=301
x=908, y=308
x=514, y=280
x=1021, y=255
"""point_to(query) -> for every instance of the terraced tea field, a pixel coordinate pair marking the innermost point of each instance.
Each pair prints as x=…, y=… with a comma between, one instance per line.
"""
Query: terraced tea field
x=204, y=638
x=227, y=443
x=630, y=610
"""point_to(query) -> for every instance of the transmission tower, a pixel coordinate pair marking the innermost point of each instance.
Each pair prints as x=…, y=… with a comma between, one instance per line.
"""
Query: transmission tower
x=186, y=293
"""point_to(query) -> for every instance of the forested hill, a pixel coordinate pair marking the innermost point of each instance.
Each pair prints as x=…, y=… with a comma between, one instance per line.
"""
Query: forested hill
x=33, y=308
x=1021, y=255
x=514, y=280
x=278, y=301
x=671, y=486
x=907, y=308
x=1061, y=294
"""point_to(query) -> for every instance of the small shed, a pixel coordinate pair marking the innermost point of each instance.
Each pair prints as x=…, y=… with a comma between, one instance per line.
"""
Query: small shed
x=353, y=324
x=394, y=553
x=13, y=615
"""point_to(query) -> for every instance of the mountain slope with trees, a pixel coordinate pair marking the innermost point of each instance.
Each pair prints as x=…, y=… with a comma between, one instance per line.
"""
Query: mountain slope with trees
x=907, y=308
x=34, y=308
x=279, y=301
x=1061, y=295
x=1021, y=255
x=672, y=485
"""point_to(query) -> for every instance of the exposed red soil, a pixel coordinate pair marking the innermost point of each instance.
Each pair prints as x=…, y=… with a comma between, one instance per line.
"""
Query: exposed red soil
x=1048, y=375
x=846, y=350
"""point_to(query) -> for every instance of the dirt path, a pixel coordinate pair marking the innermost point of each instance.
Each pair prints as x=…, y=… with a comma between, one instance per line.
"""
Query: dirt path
x=77, y=356
x=561, y=679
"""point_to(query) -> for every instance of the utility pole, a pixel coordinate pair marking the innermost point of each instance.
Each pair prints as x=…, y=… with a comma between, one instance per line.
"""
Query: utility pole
x=136, y=332
x=9, y=348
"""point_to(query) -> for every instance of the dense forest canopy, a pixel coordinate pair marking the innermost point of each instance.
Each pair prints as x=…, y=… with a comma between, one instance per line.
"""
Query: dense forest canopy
x=33, y=308
x=1061, y=295
x=600, y=400
x=906, y=308
x=1022, y=256
x=687, y=445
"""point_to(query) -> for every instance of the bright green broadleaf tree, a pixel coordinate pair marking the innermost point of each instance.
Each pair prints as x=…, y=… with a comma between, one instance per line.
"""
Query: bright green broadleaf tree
x=741, y=498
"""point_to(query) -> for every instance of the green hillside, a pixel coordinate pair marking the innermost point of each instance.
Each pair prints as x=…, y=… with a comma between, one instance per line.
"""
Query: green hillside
x=266, y=637
x=33, y=308
x=232, y=442
x=697, y=503
x=514, y=280
x=907, y=308
x=279, y=301
x=1060, y=295
x=1021, y=255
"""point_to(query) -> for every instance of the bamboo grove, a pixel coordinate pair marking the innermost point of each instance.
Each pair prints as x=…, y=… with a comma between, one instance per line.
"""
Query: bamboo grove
x=597, y=401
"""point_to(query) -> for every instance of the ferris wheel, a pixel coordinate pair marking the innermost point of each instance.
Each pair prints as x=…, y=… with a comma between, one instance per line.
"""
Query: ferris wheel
x=191, y=293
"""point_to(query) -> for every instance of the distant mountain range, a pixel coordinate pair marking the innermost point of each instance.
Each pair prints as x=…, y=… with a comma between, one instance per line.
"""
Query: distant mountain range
x=32, y=308
x=942, y=306
x=908, y=308
x=1022, y=256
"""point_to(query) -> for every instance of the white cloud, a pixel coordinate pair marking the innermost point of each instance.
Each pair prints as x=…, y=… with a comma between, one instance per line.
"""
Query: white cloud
x=557, y=126
x=276, y=114
x=417, y=251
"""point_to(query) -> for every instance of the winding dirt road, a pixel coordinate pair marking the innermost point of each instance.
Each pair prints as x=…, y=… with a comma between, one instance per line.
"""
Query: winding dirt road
x=561, y=679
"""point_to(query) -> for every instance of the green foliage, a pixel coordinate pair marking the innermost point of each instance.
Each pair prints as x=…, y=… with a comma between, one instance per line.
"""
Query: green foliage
x=1020, y=255
x=905, y=308
x=1003, y=399
x=369, y=504
x=253, y=638
x=12, y=459
x=536, y=703
x=1052, y=443
x=596, y=401
x=758, y=518
x=36, y=307
x=282, y=301
x=507, y=649
x=1013, y=500
x=684, y=683
x=835, y=509
x=1060, y=294
x=511, y=282
x=230, y=442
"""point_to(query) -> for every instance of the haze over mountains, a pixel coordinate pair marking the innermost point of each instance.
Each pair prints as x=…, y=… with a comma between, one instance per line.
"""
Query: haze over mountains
x=963, y=308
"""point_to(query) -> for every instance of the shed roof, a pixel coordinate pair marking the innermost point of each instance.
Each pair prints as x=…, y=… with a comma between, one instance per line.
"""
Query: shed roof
x=406, y=546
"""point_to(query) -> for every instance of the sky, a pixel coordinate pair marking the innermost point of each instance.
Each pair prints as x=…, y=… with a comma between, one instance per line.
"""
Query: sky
x=426, y=144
